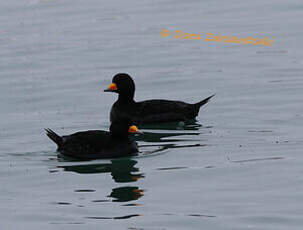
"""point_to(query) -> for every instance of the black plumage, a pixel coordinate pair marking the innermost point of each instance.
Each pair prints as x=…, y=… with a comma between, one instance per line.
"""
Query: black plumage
x=151, y=110
x=96, y=144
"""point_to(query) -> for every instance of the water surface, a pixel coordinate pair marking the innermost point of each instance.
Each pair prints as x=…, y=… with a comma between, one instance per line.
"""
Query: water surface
x=238, y=167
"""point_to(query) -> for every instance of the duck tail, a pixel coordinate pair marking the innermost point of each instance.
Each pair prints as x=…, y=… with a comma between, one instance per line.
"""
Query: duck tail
x=54, y=137
x=204, y=101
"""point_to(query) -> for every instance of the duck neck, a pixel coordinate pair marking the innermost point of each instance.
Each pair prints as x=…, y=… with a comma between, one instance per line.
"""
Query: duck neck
x=126, y=98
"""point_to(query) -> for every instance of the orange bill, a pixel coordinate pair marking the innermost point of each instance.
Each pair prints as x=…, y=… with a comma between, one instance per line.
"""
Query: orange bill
x=133, y=129
x=111, y=88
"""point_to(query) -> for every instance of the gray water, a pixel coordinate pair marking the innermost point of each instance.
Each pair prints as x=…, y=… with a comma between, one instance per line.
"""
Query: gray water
x=238, y=167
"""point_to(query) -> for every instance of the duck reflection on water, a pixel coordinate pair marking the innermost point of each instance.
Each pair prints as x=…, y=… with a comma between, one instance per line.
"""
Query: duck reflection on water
x=176, y=135
x=122, y=170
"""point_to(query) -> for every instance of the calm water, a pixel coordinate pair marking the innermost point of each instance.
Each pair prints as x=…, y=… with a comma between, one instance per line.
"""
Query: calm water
x=238, y=167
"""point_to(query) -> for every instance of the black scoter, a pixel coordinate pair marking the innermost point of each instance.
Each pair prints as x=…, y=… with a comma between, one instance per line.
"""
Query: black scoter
x=150, y=111
x=98, y=144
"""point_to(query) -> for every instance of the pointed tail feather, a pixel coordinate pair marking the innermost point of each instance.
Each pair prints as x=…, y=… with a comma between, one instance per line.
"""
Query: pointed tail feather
x=54, y=137
x=204, y=101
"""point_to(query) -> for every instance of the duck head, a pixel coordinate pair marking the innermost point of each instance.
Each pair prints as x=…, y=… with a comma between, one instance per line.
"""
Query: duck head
x=122, y=84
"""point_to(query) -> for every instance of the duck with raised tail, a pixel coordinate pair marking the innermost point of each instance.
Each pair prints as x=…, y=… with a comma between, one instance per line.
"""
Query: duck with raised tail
x=150, y=111
x=98, y=144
